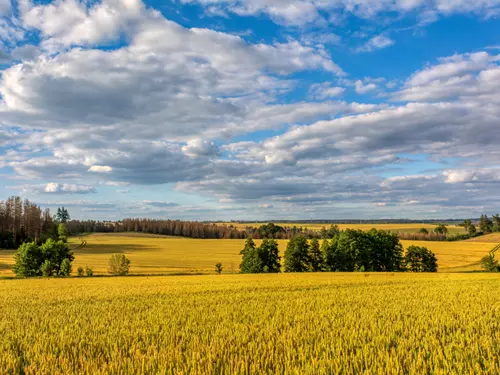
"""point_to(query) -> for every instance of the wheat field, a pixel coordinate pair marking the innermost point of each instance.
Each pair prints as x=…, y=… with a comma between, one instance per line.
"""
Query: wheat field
x=152, y=254
x=314, y=324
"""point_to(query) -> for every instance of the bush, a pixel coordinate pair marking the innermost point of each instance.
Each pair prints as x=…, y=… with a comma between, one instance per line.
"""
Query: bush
x=89, y=272
x=119, y=265
x=28, y=260
x=218, y=268
x=65, y=269
x=46, y=268
x=80, y=271
x=490, y=264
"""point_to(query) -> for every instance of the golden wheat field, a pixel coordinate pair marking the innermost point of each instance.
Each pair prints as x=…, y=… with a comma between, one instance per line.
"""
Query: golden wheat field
x=152, y=254
x=252, y=324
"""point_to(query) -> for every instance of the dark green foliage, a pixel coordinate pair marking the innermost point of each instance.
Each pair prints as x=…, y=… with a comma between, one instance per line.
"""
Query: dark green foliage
x=89, y=272
x=297, y=255
x=65, y=269
x=80, y=271
x=270, y=230
x=329, y=233
x=386, y=252
x=269, y=254
x=7, y=240
x=423, y=231
x=55, y=253
x=262, y=259
x=119, y=265
x=441, y=229
x=420, y=259
x=218, y=268
x=495, y=223
x=490, y=264
x=28, y=260
x=62, y=232
x=471, y=229
x=46, y=268
x=315, y=256
x=62, y=215
x=485, y=225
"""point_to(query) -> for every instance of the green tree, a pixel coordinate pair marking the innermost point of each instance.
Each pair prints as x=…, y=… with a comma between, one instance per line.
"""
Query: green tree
x=496, y=223
x=386, y=251
x=354, y=250
x=441, y=229
x=485, y=224
x=467, y=223
x=62, y=215
x=250, y=261
x=28, y=260
x=218, y=268
x=423, y=231
x=89, y=272
x=65, y=268
x=269, y=255
x=315, y=256
x=62, y=232
x=297, y=255
x=420, y=259
x=471, y=229
x=119, y=265
x=55, y=253
x=490, y=264
x=80, y=271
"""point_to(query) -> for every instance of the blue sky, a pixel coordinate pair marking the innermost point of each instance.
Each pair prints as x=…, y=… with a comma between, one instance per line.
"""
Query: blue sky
x=252, y=109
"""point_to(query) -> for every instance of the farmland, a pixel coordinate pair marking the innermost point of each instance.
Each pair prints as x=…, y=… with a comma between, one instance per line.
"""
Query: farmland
x=249, y=324
x=152, y=254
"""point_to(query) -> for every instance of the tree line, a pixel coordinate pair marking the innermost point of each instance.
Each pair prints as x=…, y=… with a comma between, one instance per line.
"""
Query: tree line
x=23, y=221
x=349, y=251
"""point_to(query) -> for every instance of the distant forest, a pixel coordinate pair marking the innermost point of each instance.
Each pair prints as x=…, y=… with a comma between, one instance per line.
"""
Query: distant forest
x=23, y=221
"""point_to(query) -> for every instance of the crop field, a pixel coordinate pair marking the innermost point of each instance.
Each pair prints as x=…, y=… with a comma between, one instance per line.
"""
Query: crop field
x=252, y=324
x=152, y=254
x=406, y=228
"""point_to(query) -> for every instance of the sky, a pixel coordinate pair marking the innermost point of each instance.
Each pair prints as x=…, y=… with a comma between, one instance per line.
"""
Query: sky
x=252, y=109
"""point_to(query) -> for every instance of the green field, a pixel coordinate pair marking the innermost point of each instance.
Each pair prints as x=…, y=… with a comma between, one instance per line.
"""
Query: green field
x=152, y=254
x=328, y=323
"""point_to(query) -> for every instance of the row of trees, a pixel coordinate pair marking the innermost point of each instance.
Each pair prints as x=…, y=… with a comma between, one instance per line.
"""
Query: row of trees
x=351, y=250
x=23, y=221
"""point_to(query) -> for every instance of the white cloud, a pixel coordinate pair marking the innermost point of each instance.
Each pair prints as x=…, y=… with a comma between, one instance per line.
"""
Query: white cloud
x=59, y=188
x=376, y=43
x=362, y=88
x=101, y=169
x=4, y=7
x=325, y=90
x=200, y=148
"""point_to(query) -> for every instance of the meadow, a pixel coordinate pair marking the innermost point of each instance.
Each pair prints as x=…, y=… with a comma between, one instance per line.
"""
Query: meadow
x=152, y=254
x=317, y=324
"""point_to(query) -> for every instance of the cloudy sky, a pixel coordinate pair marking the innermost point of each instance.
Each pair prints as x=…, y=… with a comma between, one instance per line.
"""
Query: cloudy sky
x=252, y=109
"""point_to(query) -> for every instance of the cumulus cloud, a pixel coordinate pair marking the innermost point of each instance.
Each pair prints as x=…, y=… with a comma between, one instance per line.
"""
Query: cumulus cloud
x=376, y=43
x=200, y=148
x=100, y=169
x=362, y=88
x=325, y=90
x=300, y=13
x=59, y=188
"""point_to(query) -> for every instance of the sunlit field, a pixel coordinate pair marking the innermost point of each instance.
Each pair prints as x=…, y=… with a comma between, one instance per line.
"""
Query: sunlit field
x=252, y=324
x=406, y=228
x=160, y=254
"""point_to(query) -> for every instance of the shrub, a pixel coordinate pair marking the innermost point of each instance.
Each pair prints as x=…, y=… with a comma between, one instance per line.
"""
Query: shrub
x=218, y=268
x=119, y=265
x=65, y=269
x=46, y=268
x=490, y=264
x=28, y=260
x=89, y=272
x=80, y=271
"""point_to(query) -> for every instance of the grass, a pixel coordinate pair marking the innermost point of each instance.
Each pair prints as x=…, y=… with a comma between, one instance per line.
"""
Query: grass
x=252, y=324
x=161, y=254
x=407, y=228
